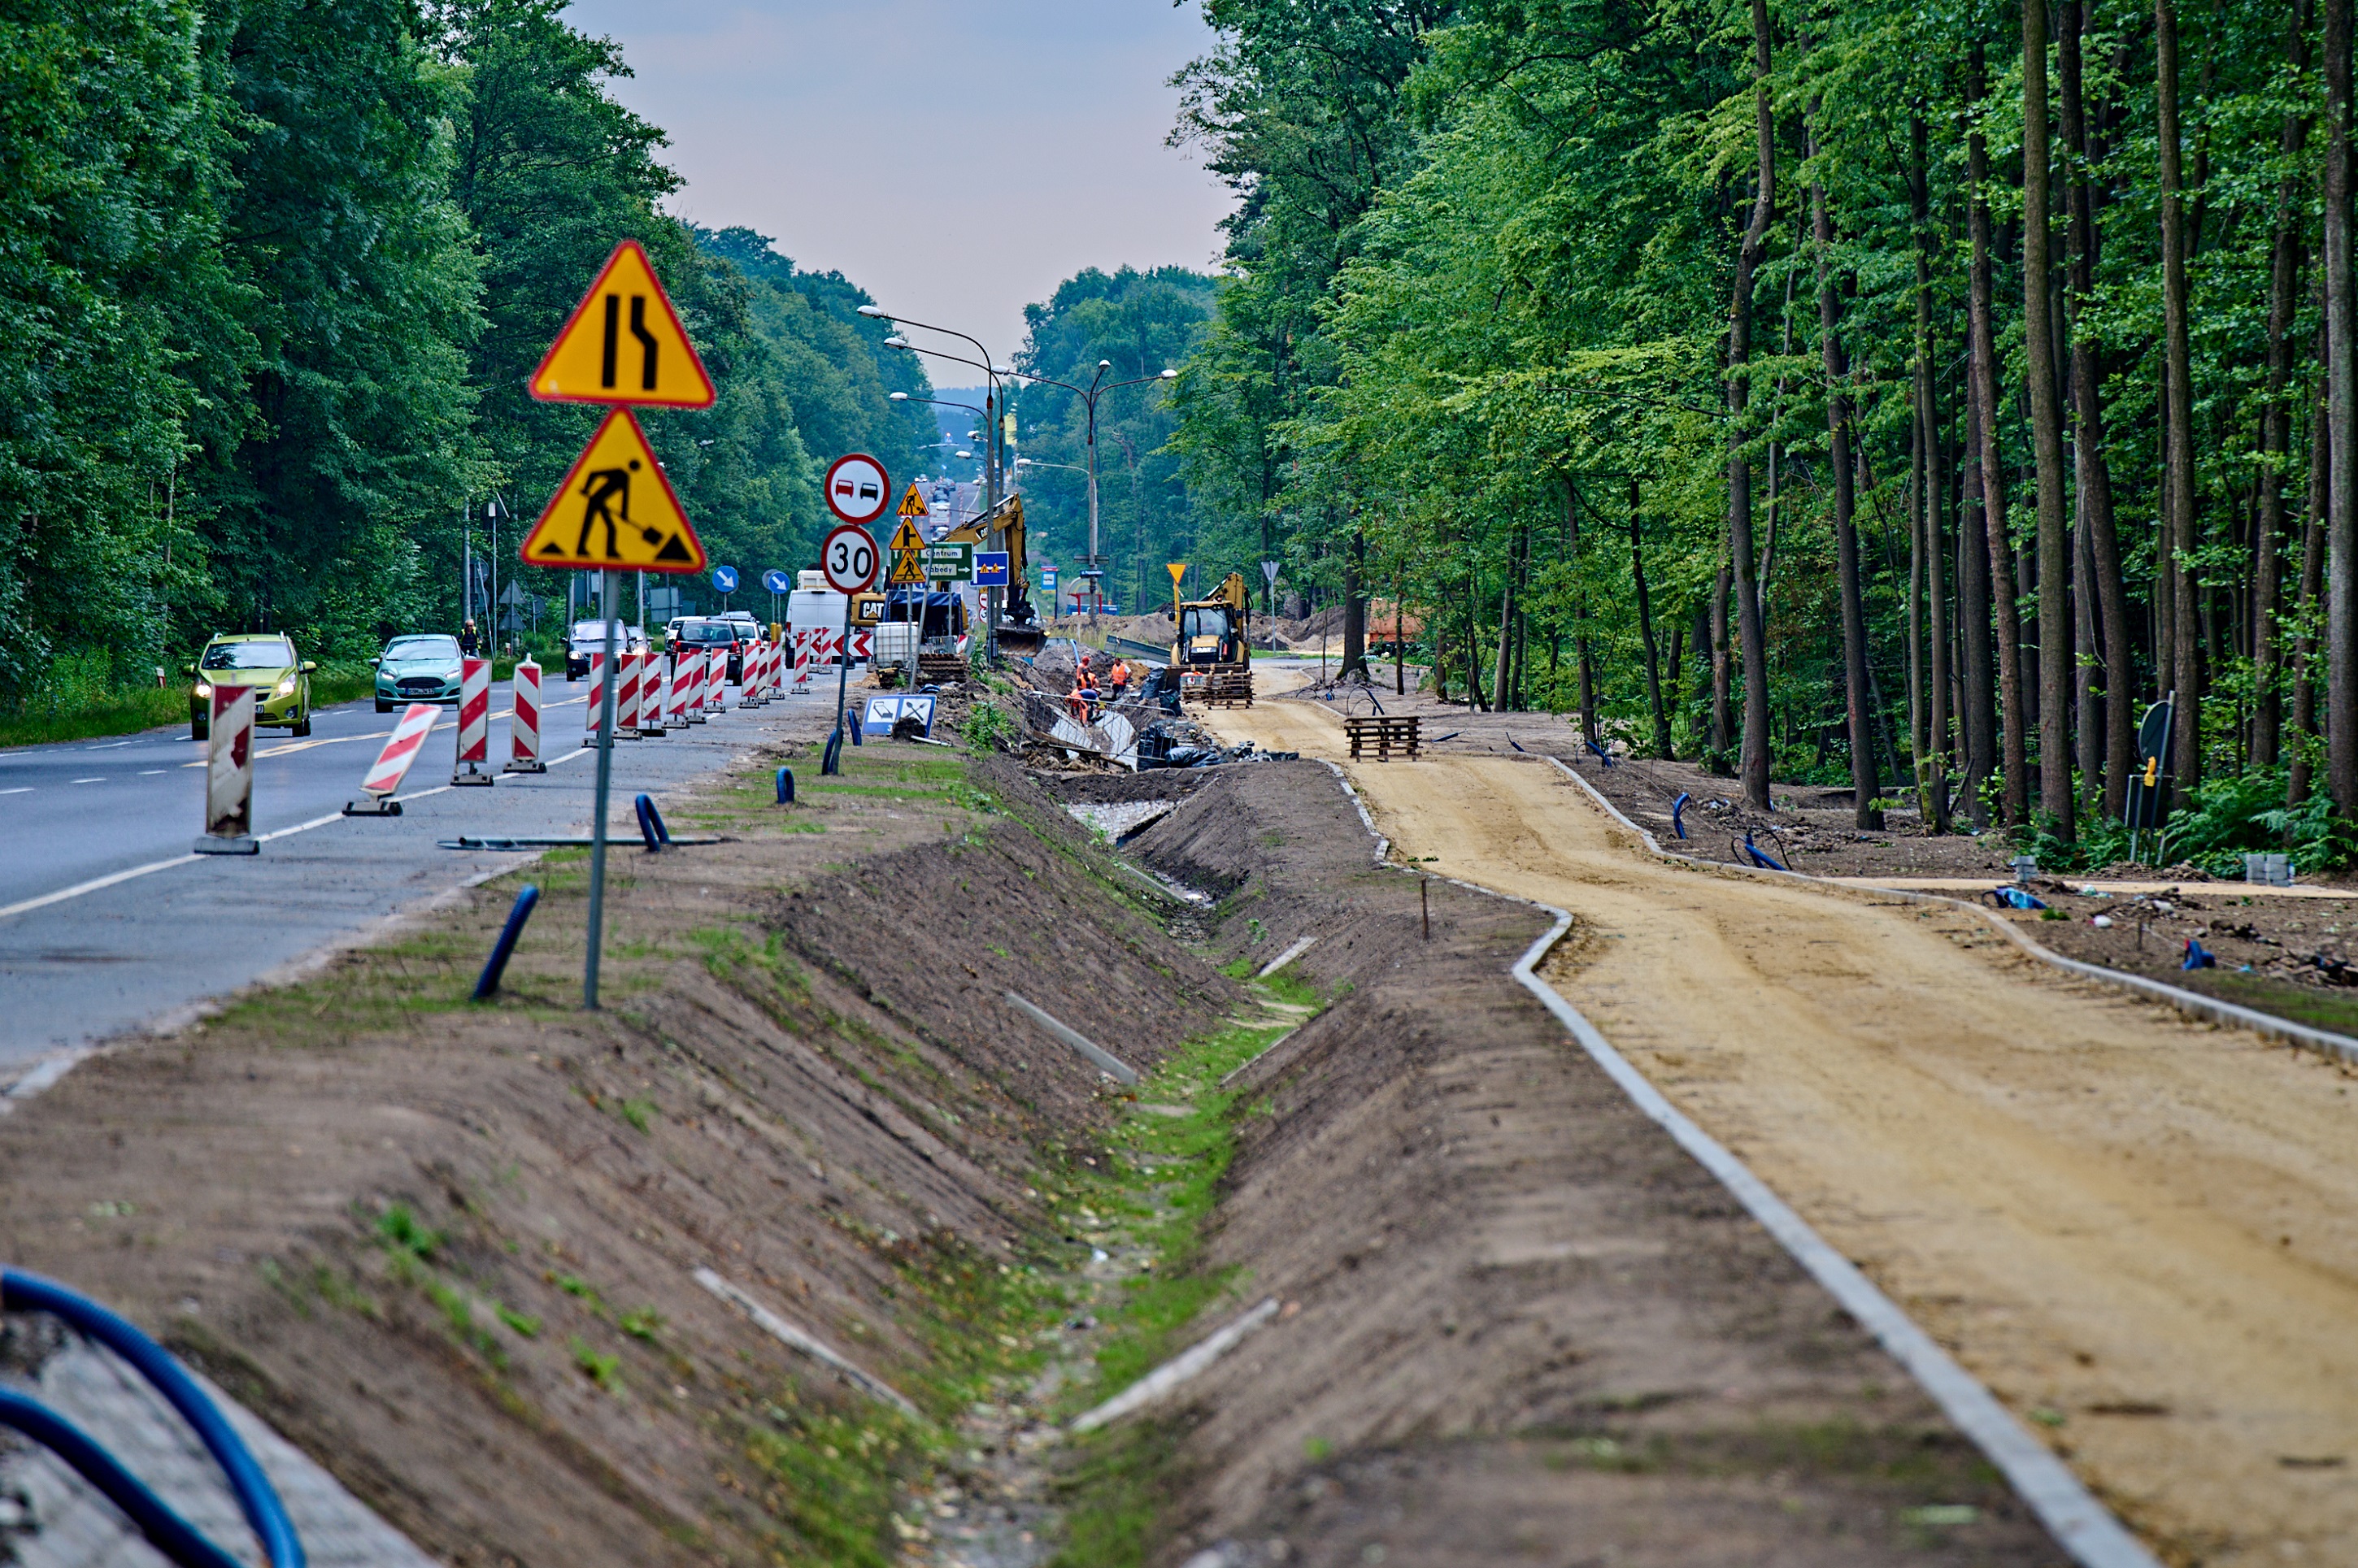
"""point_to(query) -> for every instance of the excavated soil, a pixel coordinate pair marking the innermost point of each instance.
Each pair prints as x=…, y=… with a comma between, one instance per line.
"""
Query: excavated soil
x=448, y=1249
x=1520, y=1324
x=2137, y=1231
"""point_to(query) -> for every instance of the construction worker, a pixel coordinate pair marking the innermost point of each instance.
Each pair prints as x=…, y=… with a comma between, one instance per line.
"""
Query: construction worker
x=1119, y=678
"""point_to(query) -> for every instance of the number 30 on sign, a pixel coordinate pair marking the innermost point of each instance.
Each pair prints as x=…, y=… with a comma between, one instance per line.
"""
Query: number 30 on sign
x=848, y=558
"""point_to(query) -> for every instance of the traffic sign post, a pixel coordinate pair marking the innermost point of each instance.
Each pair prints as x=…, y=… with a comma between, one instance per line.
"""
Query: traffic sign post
x=847, y=557
x=724, y=583
x=623, y=344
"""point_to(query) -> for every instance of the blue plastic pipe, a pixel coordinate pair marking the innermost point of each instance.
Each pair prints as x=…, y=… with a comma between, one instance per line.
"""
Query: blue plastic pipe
x=651, y=824
x=1678, y=805
x=21, y=1291
x=496, y=965
x=166, y=1532
x=785, y=786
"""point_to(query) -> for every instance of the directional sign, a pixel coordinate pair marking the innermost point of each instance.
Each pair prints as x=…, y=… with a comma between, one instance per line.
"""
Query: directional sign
x=857, y=490
x=724, y=579
x=912, y=504
x=906, y=537
x=990, y=569
x=948, y=563
x=615, y=509
x=623, y=343
x=848, y=558
x=777, y=581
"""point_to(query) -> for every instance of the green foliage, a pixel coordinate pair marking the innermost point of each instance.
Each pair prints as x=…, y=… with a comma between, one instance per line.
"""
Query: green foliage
x=606, y=1371
x=400, y=1228
x=2239, y=814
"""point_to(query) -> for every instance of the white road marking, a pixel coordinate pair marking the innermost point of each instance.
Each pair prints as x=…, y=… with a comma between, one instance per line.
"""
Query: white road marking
x=20, y=789
x=111, y=745
x=151, y=773
x=86, y=781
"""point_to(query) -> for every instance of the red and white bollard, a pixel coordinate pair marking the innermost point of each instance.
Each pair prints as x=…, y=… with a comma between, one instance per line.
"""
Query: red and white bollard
x=630, y=709
x=523, y=724
x=749, y=681
x=596, y=697
x=694, y=666
x=675, y=693
x=229, y=775
x=654, y=696
x=716, y=680
x=383, y=781
x=475, y=723
x=802, y=661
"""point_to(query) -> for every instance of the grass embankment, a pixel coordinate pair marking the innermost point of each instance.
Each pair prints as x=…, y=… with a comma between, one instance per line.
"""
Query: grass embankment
x=75, y=710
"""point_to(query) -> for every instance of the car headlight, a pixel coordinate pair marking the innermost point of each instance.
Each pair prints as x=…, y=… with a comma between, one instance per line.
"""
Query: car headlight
x=204, y=689
x=286, y=686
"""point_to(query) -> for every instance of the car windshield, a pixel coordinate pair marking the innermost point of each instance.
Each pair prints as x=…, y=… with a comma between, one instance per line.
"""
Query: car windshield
x=410, y=650
x=708, y=632
x=593, y=633
x=267, y=655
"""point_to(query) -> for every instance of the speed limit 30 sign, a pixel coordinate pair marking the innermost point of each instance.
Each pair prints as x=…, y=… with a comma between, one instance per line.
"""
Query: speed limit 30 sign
x=848, y=559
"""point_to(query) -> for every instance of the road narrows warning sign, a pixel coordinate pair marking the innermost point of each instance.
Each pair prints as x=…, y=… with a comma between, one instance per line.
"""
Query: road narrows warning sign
x=615, y=509
x=623, y=343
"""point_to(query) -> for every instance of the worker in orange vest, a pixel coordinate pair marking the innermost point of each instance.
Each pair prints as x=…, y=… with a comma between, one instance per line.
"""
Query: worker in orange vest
x=1119, y=678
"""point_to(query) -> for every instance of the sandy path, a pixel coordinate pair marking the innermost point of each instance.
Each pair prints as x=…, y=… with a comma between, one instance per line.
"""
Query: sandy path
x=2141, y=1233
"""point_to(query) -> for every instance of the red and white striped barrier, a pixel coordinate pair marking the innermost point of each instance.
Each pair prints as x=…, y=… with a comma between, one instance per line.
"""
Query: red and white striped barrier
x=475, y=723
x=675, y=693
x=774, y=685
x=698, y=665
x=863, y=646
x=229, y=774
x=523, y=724
x=802, y=659
x=751, y=675
x=383, y=781
x=596, y=697
x=716, y=680
x=631, y=695
x=654, y=696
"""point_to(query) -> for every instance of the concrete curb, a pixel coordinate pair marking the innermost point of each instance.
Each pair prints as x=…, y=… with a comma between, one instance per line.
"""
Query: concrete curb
x=2080, y=1524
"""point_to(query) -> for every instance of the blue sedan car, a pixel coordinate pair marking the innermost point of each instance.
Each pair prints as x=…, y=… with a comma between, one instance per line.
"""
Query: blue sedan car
x=416, y=669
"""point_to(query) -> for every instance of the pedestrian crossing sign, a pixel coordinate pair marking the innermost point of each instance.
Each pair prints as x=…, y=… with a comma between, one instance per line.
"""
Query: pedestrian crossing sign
x=623, y=343
x=615, y=510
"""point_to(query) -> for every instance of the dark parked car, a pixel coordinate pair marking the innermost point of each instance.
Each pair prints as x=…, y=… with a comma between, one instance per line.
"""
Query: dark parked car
x=710, y=635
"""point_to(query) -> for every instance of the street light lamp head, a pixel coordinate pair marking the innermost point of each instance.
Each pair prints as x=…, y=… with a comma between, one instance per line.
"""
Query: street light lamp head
x=896, y=341
x=876, y=310
x=1105, y=365
x=962, y=452
x=898, y=398
x=1002, y=370
x=1170, y=375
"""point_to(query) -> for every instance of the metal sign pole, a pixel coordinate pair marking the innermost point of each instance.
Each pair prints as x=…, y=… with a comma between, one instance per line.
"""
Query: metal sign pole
x=605, y=737
x=843, y=674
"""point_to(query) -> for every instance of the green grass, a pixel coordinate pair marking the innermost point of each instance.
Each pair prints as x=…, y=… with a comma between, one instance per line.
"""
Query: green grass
x=72, y=709
x=2337, y=1011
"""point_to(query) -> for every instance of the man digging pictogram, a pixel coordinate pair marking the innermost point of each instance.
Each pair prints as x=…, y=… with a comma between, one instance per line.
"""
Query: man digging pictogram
x=602, y=491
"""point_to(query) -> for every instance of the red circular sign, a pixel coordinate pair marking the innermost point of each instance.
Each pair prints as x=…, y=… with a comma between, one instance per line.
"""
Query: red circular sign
x=857, y=490
x=848, y=557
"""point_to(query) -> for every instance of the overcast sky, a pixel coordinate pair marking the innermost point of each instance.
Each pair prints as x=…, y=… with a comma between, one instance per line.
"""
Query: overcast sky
x=956, y=159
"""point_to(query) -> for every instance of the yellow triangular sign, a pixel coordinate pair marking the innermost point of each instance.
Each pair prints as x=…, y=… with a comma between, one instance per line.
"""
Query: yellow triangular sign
x=914, y=505
x=615, y=509
x=908, y=569
x=1177, y=570
x=905, y=536
x=623, y=343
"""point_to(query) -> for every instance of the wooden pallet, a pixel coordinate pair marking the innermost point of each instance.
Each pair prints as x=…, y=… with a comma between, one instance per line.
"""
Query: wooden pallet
x=1386, y=734
x=1223, y=688
x=941, y=667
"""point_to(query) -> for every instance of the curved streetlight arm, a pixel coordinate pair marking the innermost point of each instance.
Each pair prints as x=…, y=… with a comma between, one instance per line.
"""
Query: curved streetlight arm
x=926, y=327
x=936, y=402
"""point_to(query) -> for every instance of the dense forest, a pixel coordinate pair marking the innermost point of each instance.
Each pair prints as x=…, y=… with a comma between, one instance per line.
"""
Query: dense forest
x=1896, y=396
x=279, y=272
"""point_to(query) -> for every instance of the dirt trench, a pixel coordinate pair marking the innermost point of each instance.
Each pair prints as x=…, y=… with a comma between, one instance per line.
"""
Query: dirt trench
x=448, y=1249
x=1518, y=1324
x=2137, y=1230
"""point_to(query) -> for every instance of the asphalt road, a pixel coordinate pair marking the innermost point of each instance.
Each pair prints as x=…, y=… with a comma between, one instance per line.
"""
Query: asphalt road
x=109, y=923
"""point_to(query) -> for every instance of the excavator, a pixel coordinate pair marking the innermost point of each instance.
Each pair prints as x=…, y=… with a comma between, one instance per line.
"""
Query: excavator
x=1208, y=647
x=1020, y=632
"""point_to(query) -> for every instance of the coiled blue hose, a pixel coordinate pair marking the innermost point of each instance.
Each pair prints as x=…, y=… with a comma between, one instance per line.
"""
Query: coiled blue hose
x=257, y=1497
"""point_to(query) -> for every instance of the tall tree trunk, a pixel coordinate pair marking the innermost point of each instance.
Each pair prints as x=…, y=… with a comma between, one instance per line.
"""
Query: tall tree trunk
x=2095, y=479
x=1919, y=742
x=2186, y=749
x=2312, y=571
x=1355, y=608
x=1932, y=524
x=2015, y=794
x=1502, y=684
x=1722, y=669
x=2056, y=801
x=1399, y=632
x=2088, y=692
x=1856, y=691
x=1739, y=467
x=2275, y=428
x=2341, y=427
x=1974, y=618
x=1474, y=703
x=1662, y=747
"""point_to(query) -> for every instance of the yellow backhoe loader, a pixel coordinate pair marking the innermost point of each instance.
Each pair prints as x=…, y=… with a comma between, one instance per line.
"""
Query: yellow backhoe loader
x=1208, y=647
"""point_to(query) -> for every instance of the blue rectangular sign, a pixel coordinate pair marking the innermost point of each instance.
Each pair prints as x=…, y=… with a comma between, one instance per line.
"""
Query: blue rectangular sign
x=1048, y=579
x=990, y=569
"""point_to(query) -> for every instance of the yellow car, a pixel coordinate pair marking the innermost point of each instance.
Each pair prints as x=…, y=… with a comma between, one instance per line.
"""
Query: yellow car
x=264, y=660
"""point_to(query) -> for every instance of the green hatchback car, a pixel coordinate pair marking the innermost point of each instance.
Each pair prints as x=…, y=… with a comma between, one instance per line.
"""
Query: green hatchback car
x=263, y=659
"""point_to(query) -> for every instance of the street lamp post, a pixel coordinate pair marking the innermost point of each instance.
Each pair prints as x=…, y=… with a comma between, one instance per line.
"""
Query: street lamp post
x=1088, y=396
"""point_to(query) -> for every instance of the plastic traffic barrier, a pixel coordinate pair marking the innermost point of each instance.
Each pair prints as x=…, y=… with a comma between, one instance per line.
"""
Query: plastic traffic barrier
x=626, y=694
x=802, y=659
x=716, y=680
x=698, y=665
x=229, y=775
x=523, y=725
x=475, y=723
x=654, y=710
x=383, y=781
x=675, y=693
x=596, y=697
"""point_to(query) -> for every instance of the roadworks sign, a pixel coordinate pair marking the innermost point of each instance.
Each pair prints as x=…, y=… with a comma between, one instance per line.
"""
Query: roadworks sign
x=623, y=343
x=912, y=506
x=615, y=509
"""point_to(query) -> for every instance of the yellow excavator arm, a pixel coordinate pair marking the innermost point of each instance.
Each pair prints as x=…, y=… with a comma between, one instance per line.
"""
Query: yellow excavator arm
x=1004, y=524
